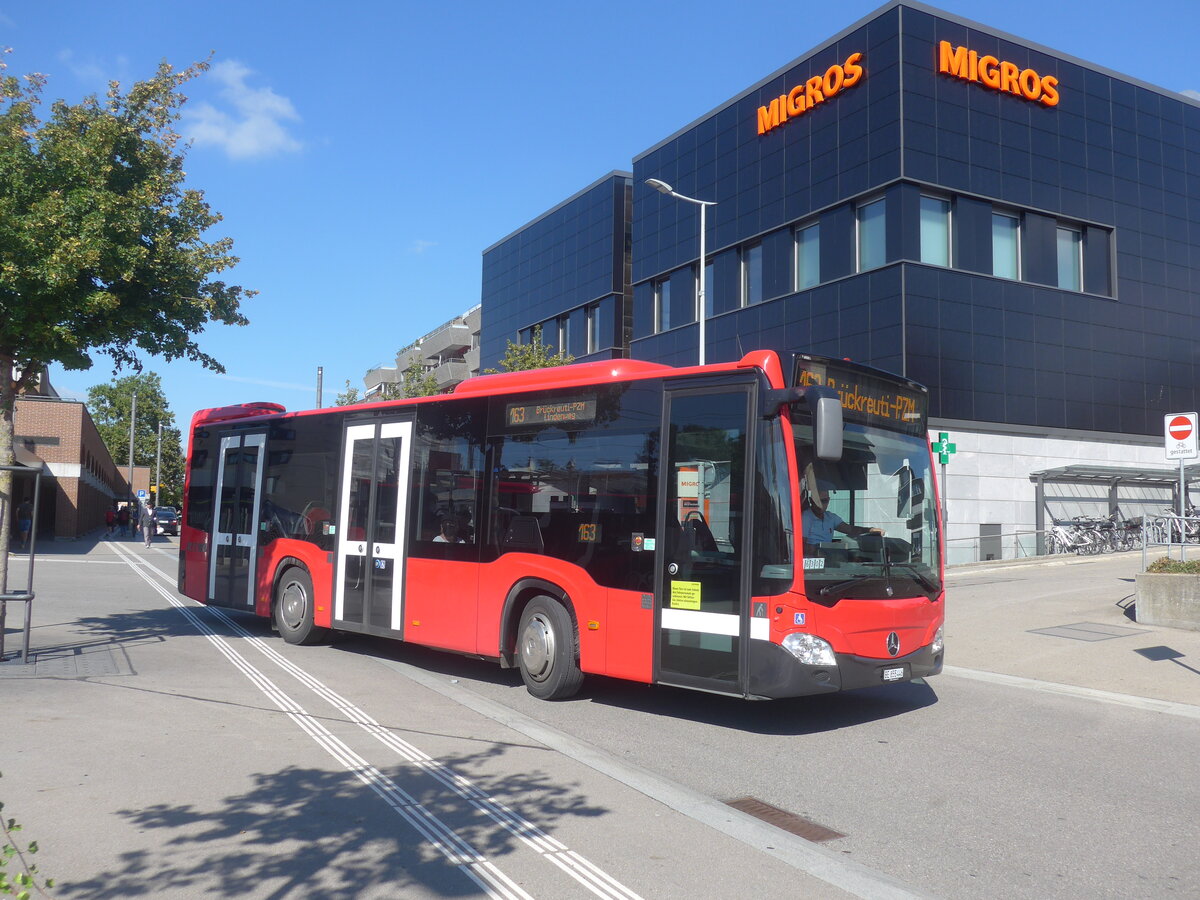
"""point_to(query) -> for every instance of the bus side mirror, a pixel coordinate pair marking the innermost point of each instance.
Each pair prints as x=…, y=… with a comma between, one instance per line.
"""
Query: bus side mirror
x=827, y=422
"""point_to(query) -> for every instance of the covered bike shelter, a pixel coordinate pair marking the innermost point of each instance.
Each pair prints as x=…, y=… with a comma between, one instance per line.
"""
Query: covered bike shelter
x=1114, y=478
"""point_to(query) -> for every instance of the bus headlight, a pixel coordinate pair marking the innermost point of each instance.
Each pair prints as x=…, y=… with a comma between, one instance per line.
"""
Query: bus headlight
x=937, y=644
x=809, y=649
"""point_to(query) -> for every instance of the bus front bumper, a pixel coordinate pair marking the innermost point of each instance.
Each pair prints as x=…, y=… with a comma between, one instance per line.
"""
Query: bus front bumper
x=775, y=673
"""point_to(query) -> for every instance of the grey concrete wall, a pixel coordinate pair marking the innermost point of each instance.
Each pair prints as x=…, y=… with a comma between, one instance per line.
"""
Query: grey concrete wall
x=1170, y=600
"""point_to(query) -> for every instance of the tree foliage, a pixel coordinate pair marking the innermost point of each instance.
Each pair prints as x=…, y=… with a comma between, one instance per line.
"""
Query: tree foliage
x=101, y=247
x=414, y=382
x=110, y=405
x=24, y=875
x=534, y=355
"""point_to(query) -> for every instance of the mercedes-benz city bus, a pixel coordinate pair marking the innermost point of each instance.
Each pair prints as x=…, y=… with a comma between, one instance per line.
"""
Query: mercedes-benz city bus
x=762, y=528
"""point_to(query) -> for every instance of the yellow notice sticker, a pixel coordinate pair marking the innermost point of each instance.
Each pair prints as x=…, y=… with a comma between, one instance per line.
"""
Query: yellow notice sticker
x=685, y=595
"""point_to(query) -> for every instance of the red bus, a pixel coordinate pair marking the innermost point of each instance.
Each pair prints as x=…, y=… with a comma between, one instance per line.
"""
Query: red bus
x=765, y=528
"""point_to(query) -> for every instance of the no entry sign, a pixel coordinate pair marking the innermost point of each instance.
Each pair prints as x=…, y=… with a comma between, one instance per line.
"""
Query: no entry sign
x=1180, y=435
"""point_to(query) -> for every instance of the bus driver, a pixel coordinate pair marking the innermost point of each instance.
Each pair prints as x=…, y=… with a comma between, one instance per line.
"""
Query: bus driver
x=819, y=523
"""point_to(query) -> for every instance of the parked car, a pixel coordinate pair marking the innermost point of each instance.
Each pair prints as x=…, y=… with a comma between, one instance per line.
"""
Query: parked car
x=168, y=521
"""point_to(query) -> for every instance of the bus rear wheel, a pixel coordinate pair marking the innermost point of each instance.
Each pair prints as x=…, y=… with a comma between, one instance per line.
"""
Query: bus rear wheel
x=294, y=608
x=546, y=650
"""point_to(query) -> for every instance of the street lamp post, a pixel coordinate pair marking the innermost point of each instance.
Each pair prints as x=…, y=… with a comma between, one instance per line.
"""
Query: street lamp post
x=663, y=188
x=158, y=469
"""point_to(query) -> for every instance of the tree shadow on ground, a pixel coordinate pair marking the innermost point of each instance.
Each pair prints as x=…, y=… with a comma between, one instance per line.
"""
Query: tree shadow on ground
x=311, y=832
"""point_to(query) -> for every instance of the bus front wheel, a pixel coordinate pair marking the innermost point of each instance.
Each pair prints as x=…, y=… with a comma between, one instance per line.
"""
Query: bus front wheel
x=294, y=608
x=546, y=647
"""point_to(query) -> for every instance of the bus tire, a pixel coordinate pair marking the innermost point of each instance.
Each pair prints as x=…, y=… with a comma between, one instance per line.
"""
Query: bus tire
x=294, y=608
x=546, y=650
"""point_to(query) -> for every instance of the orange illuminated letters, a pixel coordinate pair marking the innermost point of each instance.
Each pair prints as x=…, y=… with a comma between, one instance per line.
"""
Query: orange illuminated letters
x=959, y=62
x=813, y=92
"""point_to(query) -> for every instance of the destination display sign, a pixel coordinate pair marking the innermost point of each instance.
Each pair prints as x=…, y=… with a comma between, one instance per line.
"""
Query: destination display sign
x=868, y=397
x=559, y=412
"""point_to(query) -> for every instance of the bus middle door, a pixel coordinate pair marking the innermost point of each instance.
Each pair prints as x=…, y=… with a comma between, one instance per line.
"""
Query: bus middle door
x=372, y=533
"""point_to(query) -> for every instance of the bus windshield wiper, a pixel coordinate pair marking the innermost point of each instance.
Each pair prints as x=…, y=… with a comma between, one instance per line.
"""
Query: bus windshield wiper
x=924, y=580
x=838, y=585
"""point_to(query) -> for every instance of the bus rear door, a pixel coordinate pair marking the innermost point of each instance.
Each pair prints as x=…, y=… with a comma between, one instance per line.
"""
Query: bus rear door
x=703, y=621
x=235, y=521
x=372, y=532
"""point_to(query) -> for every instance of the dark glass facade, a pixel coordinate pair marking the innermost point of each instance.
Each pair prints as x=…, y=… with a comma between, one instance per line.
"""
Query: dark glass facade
x=1056, y=290
x=568, y=269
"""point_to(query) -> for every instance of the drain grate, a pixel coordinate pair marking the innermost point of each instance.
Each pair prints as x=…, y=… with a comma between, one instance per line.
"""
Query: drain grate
x=782, y=819
x=1089, y=631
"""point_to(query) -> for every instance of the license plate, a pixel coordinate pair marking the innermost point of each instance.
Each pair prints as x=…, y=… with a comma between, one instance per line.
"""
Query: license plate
x=895, y=673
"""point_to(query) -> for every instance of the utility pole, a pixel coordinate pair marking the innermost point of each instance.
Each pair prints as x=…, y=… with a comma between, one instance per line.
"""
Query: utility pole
x=132, y=422
x=320, y=379
x=158, y=469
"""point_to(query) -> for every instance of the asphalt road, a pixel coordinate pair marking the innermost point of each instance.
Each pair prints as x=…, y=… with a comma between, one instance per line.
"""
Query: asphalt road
x=157, y=748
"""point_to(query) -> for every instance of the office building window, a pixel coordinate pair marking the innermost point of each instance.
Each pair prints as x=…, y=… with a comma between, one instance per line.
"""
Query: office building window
x=872, y=235
x=593, y=328
x=752, y=274
x=935, y=231
x=808, y=256
x=1006, y=246
x=564, y=334
x=1070, y=259
x=662, y=305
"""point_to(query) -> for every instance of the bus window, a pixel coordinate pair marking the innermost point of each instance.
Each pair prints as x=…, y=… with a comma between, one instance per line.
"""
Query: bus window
x=447, y=480
x=579, y=489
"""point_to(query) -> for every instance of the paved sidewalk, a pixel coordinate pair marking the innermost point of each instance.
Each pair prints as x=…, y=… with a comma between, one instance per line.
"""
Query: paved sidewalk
x=1067, y=620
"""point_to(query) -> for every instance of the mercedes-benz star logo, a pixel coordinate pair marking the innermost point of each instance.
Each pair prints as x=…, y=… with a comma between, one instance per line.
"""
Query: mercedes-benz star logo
x=893, y=643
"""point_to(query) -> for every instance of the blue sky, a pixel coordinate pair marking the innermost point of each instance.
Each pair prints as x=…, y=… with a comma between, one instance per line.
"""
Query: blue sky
x=364, y=154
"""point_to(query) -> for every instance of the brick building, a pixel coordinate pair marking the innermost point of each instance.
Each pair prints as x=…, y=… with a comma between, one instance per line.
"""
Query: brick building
x=79, y=478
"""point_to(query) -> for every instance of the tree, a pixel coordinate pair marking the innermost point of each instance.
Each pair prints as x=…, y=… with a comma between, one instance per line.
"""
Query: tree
x=100, y=241
x=534, y=355
x=110, y=405
x=417, y=382
x=414, y=382
x=348, y=397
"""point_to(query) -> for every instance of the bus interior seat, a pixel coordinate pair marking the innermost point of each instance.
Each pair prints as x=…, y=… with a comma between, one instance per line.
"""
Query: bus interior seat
x=523, y=533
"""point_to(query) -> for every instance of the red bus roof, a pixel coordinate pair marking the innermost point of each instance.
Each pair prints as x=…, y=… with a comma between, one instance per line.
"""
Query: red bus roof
x=604, y=371
x=561, y=376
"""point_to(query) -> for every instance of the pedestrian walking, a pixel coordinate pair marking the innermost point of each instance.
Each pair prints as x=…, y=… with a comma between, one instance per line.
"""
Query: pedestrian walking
x=148, y=523
x=110, y=519
x=24, y=523
x=123, y=520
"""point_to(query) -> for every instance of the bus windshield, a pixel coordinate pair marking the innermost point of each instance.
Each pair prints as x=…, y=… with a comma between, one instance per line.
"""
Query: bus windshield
x=869, y=523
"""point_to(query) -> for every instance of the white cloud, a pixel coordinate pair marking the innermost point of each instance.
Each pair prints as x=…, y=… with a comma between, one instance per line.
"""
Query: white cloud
x=253, y=126
x=1195, y=95
x=419, y=247
x=262, y=382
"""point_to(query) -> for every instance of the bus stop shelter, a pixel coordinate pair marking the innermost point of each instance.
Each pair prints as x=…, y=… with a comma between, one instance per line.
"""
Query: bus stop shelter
x=1114, y=478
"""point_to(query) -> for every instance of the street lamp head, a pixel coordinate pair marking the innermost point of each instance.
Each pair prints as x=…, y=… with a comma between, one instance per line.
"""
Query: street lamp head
x=661, y=186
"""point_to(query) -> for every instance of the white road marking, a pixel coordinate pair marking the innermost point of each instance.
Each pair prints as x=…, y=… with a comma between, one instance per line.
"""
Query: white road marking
x=457, y=851
x=574, y=864
x=826, y=865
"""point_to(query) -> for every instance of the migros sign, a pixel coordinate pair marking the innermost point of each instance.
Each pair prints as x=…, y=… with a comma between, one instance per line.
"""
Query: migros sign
x=959, y=62
x=813, y=92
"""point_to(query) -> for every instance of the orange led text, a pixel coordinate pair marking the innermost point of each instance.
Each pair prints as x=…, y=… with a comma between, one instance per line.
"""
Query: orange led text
x=996, y=74
x=813, y=92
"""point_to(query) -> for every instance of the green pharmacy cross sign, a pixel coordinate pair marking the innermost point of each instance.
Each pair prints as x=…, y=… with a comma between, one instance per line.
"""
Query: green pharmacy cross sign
x=943, y=448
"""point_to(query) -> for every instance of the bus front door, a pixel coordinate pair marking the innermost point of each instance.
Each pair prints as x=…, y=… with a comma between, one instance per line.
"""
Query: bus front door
x=235, y=522
x=702, y=589
x=369, y=591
